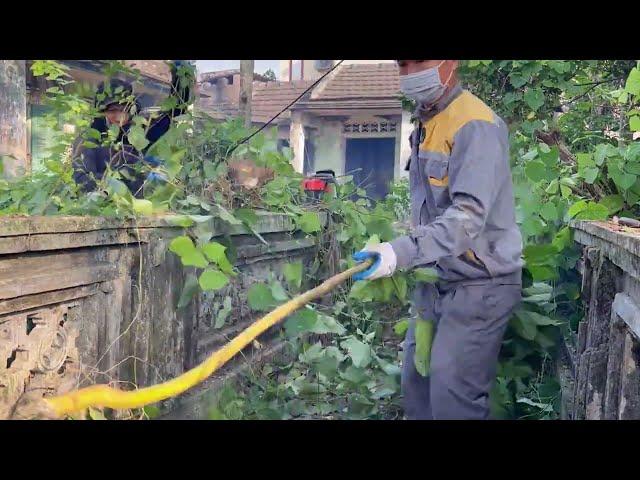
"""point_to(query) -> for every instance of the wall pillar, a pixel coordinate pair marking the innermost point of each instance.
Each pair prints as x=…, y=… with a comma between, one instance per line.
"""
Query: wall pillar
x=13, y=118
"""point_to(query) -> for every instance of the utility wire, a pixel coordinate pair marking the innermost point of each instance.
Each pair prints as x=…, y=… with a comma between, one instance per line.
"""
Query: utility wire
x=244, y=140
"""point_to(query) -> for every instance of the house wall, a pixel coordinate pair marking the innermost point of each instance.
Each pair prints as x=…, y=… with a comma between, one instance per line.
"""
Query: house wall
x=330, y=145
x=403, y=145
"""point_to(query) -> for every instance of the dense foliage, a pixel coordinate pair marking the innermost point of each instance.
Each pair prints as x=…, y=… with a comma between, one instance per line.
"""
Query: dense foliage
x=575, y=154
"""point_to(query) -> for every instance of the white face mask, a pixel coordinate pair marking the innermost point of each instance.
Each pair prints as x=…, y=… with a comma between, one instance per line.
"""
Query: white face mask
x=424, y=87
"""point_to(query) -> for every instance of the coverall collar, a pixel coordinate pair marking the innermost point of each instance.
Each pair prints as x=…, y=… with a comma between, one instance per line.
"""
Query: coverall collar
x=425, y=113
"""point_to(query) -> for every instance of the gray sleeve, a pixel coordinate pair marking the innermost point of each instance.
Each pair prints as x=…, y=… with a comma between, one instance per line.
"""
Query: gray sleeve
x=476, y=169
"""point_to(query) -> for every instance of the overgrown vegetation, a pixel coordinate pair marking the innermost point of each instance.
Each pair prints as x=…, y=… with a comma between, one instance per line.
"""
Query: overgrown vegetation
x=573, y=156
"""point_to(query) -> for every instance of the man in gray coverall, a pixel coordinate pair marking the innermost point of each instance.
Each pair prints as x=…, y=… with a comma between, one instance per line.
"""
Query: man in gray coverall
x=462, y=224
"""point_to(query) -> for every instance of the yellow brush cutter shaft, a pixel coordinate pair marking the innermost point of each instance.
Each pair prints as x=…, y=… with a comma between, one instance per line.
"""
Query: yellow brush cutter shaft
x=105, y=396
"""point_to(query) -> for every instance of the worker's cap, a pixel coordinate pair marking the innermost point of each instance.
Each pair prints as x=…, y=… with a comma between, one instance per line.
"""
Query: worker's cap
x=116, y=91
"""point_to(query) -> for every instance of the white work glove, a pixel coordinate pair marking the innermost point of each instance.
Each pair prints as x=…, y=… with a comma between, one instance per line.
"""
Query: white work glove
x=384, y=261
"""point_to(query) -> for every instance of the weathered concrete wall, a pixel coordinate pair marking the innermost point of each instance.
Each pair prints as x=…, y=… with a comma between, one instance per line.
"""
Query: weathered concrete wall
x=13, y=117
x=330, y=147
x=86, y=300
x=600, y=368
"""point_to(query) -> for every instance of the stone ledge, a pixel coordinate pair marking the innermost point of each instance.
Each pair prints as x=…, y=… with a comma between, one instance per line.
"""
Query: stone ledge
x=621, y=245
x=27, y=234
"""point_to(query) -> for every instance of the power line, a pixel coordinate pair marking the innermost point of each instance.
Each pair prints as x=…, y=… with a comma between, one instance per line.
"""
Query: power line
x=285, y=108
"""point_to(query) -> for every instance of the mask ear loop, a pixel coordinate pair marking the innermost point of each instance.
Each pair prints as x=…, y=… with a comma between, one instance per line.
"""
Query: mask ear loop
x=450, y=73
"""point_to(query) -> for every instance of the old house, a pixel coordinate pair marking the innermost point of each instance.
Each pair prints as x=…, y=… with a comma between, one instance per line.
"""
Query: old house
x=220, y=94
x=350, y=122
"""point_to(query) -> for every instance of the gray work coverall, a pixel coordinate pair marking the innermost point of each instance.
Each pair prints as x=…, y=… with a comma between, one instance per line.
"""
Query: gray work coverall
x=463, y=224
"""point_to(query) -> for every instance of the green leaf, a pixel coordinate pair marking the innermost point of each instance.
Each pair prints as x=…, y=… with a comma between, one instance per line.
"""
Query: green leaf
x=118, y=187
x=180, y=220
x=389, y=368
x=613, y=203
x=401, y=327
x=200, y=218
x=424, y=339
x=553, y=187
x=541, y=273
x=590, y=175
x=96, y=414
x=634, y=123
x=535, y=318
x=534, y=97
x=585, y=160
x=142, y=207
x=427, y=275
x=210, y=170
x=137, y=137
x=246, y=215
x=151, y=411
x=536, y=171
x=360, y=353
x=227, y=217
x=381, y=227
x=300, y=322
x=603, y=151
x=633, y=82
x=182, y=245
x=194, y=259
x=309, y=222
x=544, y=340
x=539, y=254
x=188, y=290
x=326, y=324
x=526, y=330
x=260, y=298
x=223, y=313
x=212, y=280
x=215, y=252
x=278, y=292
x=562, y=239
x=593, y=211
x=576, y=208
x=293, y=274
x=517, y=80
x=549, y=212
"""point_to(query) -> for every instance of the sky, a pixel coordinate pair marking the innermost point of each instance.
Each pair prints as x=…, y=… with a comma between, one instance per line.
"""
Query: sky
x=261, y=66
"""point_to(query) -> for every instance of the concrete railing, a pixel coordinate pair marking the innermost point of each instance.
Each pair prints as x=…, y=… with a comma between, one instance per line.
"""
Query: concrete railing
x=88, y=300
x=600, y=367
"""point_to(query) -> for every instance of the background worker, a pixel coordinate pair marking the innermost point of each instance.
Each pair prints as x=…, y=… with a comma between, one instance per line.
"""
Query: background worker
x=117, y=105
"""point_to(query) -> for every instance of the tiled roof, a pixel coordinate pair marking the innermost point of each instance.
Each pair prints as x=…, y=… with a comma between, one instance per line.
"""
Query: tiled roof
x=212, y=76
x=362, y=81
x=157, y=69
x=269, y=98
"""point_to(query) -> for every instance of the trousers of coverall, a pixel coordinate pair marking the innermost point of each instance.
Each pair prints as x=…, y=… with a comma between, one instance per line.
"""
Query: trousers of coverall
x=470, y=321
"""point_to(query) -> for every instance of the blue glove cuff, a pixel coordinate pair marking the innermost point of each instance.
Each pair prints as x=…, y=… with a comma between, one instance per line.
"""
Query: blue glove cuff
x=153, y=161
x=153, y=176
x=363, y=256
